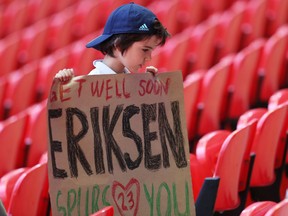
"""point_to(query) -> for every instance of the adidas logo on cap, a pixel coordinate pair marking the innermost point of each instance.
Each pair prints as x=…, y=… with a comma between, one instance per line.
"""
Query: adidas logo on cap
x=143, y=27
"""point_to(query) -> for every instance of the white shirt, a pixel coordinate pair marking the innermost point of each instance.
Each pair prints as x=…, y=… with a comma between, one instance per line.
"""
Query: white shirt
x=101, y=69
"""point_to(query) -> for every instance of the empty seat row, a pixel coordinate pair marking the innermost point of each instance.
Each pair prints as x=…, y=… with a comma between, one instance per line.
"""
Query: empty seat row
x=24, y=191
x=205, y=44
x=16, y=15
x=249, y=160
x=266, y=208
x=23, y=138
x=215, y=98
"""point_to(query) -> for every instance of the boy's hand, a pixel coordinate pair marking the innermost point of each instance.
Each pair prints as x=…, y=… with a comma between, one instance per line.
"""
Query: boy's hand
x=65, y=75
x=151, y=69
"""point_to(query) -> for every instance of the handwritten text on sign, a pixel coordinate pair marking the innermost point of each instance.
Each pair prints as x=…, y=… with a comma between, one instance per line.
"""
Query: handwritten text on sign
x=119, y=140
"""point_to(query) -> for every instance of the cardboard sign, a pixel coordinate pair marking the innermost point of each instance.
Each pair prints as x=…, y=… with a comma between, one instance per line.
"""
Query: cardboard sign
x=119, y=140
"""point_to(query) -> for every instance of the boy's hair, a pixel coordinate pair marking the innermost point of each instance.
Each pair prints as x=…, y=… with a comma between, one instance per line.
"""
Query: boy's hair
x=124, y=41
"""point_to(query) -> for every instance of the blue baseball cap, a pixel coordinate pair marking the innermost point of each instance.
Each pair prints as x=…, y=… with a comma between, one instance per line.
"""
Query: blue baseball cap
x=128, y=18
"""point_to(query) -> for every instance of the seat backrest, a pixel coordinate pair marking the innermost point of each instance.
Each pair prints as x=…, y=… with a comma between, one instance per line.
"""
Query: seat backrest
x=33, y=42
x=277, y=15
x=87, y=20
x=15, y=17
x=164, y=9
x=60, y=28
x=27, y=193
x=12, y=148
x=191, y=88
x=248, y=160
x=280, y=209
x=265, y=145
x=49, y=66
x=176, y=49
x=243, y=79
x=7, y=183
x=192, y=11
x=254, y=21
x=258, y=208
x=208, y=148
x=229, y=36
x=273, y=62
x=229, y=167
x=198, y=174
x=277, y=99
x=20, y=92
x=249, y=116
x=212, y=97
x=8, y=53
x=3, y=87
x=36, y=133
x=106, y=211
x=202, y=44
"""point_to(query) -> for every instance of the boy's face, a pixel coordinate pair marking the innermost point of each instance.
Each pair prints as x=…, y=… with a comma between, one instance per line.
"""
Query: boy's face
x=138, y=54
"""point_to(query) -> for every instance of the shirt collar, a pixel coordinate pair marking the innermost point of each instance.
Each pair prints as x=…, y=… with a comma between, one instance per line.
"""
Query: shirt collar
x=105, y=69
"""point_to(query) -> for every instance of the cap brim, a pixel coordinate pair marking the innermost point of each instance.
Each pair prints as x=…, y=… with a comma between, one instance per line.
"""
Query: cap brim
x=97, y=41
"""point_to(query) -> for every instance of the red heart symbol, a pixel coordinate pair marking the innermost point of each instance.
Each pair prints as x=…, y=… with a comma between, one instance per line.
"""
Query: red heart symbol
x=127, y=198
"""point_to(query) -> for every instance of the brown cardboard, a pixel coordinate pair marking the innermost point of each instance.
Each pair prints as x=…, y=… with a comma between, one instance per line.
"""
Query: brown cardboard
x=119, y=140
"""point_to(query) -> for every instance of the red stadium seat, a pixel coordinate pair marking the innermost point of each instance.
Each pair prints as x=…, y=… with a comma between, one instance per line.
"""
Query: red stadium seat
x=87, y=19
x=20, y=92
x=204, y=188
x=243, y=81
x=39, y=10
x=36, y=130
x=15, y=17
x=30, y=193
x=216, y=6
x=212, y=97
x=202, y=44
x=258, y=208
x=278, y=98
x=33, y=42
x=208, y=148
x=60, y=29
x=280, y=209
x=12, y=148
x=165, y=9
x=190, y=13
x=3, y=86
x=277, y=15
x=233, y=149
x=7, y=183
x=62, y=5
x=176, y=49
x=272, y=64
x=48, y=67
x=106, y=211
x=8, y=53
x=229, y=37
x=265, y=181
x=255, y=21
x=191, y=90
x=223, y=152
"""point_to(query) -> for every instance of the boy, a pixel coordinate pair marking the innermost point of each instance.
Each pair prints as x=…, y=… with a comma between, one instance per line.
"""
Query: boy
x=130, y=35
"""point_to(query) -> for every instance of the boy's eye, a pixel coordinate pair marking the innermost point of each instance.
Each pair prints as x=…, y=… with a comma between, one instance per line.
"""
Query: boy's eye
x=145, y=50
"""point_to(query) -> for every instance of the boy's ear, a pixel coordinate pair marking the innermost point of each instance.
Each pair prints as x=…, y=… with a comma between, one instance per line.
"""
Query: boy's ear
x=116, y=43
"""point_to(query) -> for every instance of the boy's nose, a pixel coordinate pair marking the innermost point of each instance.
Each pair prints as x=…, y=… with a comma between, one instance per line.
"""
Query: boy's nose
x=148, y=58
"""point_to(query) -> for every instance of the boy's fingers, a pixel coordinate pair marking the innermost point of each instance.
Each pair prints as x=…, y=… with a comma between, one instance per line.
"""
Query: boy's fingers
x=151, y=69
x=65, y=75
